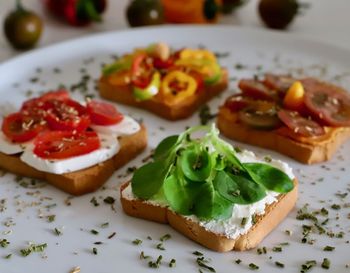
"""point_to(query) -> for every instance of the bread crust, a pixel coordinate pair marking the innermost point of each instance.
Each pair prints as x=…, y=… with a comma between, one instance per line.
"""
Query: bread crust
x=86, y=180
x=274, y=214
x=308, y=153
x=123, y=94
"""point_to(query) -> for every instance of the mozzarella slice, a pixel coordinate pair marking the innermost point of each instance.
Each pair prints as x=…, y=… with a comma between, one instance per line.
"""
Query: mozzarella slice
x=127, y=126
x=109, y=147
x=10, y=148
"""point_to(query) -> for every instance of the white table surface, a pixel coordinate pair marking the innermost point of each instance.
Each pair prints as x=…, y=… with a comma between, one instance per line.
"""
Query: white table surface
x=327, y=21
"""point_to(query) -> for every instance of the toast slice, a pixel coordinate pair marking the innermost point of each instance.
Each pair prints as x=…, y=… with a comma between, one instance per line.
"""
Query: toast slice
x=182, y=110
x=309, y=151
x=274, y=214
x=86, y=180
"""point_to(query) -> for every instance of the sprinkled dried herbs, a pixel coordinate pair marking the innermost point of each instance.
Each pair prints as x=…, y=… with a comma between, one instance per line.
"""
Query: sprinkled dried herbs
x=308, y=265
x=109, y=200
x=253, y=266
x=165, y=237
x=326, y=263
x=238, y=261
x=32, y=248
x=94, y=201
x=336, y=207
x=57, y=231
x=197, y=253
x=203, y=263
x=157, y=263
x=143, y=256
x=104, y=225
x=160, y=246
x=137, y=242
x=279, y=264
x=94, y=231
x=94, y=251
x=172, y=263
x=328, y=248
x=4, y=243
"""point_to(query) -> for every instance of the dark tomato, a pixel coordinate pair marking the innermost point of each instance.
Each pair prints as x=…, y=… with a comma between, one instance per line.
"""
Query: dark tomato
x=327, y=103
x=300, y=125
x=64, y=144
x=66, y=115
x=262, y=116
x=280, y=83
x=102, y=113
x=256, y=90
x=21, y=128
x=238, y=102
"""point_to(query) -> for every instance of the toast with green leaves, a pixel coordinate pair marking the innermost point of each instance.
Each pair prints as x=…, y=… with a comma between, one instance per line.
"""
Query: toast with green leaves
x=219, y=197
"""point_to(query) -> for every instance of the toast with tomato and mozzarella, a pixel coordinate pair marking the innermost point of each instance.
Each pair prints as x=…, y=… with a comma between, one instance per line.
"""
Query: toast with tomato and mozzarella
x=306, y=119
x=72, y=146
x=171, y=84
x=218, y=197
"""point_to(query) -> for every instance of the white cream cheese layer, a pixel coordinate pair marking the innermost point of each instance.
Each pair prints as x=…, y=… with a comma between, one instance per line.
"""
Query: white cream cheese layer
x=127, y=126
x=10, y=148
x=232, y=227
x=109, y=148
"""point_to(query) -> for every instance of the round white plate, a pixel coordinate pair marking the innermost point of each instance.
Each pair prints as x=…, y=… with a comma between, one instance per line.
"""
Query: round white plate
x=24, y=211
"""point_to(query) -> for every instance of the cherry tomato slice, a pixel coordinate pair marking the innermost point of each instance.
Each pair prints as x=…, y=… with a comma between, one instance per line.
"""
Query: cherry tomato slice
x=238, y=102
x=102, y=113
x=300, y=125
x=66, y=115
x=60, y=94
x=163, y=64
x=256, y=89
x=64, y=144
x=20, y=128
x=280, y=83
x=141, y=70
x=327, y=103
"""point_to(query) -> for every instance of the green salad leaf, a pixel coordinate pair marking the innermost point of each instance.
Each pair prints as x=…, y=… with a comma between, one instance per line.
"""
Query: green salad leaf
x=238, y=189
x=148, y=179
x=204, y=177
x=164, y=147
x=270, y=177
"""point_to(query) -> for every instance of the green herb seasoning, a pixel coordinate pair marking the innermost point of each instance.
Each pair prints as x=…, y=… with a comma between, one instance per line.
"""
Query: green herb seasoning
x=172, y=263
x=94, y=231
x=160, y=246
x=238, y=261
x=253, y=266
x=165, y=237
x=94, y=250
x=137, y=242
x=326, y=263
x=109, y=200
x=328, y=248
x=8, y=256
x=4, y=243
x=51, y=218
x=279, y=264
x=104, y=225
x=308, y=265
x=203, y=263
x=33, y=248
x=143, y=256
x=94, y=202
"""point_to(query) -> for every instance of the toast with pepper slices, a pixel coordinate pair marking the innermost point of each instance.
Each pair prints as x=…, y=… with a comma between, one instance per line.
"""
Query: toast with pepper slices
x=220, y=198
x=170, y=84
x=305, y=119
x=31, y=125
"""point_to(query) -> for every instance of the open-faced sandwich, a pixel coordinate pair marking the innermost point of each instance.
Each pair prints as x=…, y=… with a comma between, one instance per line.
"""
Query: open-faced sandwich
x=72, y=146
x=171, y=84
x=219, y=197
x=305, y=119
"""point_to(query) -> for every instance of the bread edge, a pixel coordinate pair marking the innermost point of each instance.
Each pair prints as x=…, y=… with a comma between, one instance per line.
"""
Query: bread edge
x=274, y=215
x=302, y=152
x=86, y=180
x=181, y=111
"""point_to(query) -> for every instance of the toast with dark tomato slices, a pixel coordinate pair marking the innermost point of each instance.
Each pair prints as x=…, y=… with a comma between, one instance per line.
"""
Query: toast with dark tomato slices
x=54, y=129
x=305, y=119
x=171, y=84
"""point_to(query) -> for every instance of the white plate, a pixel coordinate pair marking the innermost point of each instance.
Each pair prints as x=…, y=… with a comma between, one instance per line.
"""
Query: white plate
x=257, y=51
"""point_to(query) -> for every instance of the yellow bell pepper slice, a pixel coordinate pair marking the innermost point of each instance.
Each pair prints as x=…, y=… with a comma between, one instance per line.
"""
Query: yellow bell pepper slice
x=177, y=86
x=189, y=53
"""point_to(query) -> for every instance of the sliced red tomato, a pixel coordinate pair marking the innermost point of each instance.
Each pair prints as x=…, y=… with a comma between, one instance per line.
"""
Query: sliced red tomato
x=141, y=70
x=326, y=102
x=20, y=128
x=66, y=115
x=64, y=144
x=280, y=83
x=60, y=94
x=35, y=106
x=238, y=102
x=102, y=113
x=300, y=125
x=256, y=89
x=163, y=64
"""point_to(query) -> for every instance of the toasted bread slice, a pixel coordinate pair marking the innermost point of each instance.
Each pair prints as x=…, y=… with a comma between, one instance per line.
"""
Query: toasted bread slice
x=308, y=152
x=123, y=94
x=264, y=224
x=86, y=180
